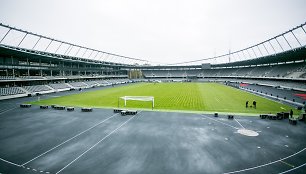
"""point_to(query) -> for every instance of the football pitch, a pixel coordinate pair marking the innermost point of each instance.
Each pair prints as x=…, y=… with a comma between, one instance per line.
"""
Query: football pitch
x=206, y=97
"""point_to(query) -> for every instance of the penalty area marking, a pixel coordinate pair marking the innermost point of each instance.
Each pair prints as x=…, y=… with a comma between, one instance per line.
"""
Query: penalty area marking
x=263, y=165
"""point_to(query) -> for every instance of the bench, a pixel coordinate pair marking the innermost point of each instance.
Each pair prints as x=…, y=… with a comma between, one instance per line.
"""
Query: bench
x=117, y=110
x=128, y=112
x=70, y=108
x=280, y=115
x=52, y=106
x=25, y=105
x=131, y=112
x=230, y=117
x=263, y=116
x=123, y=113
x=59, y=107
x=271, y=117
x=86, y=109
x=43, y=106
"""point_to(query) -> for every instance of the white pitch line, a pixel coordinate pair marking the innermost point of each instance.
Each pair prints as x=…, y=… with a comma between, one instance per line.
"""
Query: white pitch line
x=69, y=139
x=9, y=162
x=8, y=110
x=221, y=122
x=293, y=169
x=239, y=123
x=94, y=145
x=263, y=165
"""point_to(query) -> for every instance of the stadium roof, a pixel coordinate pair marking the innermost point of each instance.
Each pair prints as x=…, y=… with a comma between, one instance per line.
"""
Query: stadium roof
x=287, y=46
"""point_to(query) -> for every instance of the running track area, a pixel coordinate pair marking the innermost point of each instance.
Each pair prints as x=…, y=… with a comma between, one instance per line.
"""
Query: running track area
x=48, y=141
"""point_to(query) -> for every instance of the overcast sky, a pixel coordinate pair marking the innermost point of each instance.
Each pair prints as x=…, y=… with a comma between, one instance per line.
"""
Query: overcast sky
x=165, y=31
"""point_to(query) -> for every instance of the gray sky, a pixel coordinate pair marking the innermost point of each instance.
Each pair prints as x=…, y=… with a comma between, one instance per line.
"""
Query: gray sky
x=165, y=31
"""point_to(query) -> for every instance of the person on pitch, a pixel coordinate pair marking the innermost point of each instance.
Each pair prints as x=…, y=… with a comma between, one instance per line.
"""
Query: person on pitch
x=254, y=104
x=291, y=113
x=247, y=104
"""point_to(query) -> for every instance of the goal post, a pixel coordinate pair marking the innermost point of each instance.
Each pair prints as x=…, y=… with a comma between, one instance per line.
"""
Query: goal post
x=137, y=98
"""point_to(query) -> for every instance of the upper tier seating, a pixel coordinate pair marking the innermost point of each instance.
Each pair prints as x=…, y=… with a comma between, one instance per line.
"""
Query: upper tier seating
x=32, y=77
x=290, y=70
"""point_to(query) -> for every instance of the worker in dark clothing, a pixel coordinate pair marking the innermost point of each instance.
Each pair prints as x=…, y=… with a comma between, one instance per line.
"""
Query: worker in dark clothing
x=254, y=104
x=247, y=104
x=291, y=113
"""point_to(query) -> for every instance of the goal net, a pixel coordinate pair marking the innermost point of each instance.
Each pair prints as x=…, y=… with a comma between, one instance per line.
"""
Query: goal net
x=137, y=98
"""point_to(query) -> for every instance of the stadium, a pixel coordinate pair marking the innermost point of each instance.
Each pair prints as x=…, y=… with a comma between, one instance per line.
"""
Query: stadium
x=68, y=108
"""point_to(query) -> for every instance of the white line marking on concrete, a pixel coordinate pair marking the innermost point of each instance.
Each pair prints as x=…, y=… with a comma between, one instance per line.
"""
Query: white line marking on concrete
x=293, y=169
x=8, y=110
x=239, y=123
x=69, y=139
x=95, y=145
x=221, y=122
x=9, y=162
x=288, y=164
x=263, y=165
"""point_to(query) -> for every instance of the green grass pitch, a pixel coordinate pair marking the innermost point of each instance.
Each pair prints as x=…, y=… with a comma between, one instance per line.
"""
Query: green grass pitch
x=208, y=97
